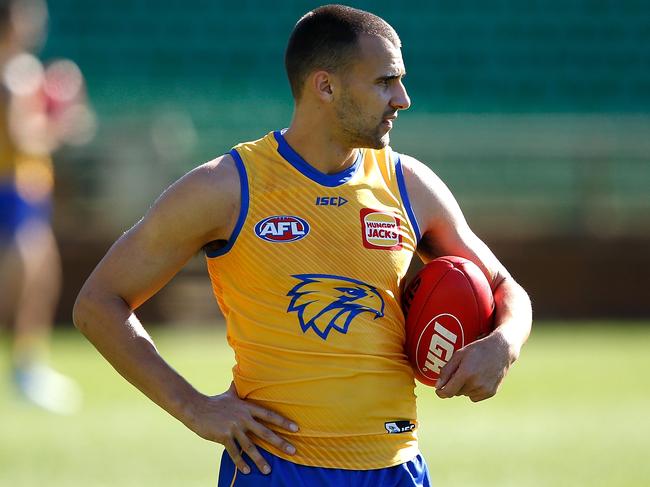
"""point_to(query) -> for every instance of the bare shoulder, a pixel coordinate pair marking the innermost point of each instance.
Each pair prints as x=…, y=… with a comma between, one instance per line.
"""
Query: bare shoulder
x=431, y=199
x=203, y=204
x=443, y=226
x=220, y=171
x=201, y=207
x=216, y=177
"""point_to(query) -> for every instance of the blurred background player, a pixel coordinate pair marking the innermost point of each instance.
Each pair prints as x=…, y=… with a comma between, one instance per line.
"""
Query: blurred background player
x=38, y=107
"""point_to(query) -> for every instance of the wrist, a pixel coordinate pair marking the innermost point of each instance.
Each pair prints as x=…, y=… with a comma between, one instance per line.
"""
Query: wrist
x=185, y=404
x=510, y=345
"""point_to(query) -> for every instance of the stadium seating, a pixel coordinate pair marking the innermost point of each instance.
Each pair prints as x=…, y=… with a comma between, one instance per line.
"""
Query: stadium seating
x=581, y=67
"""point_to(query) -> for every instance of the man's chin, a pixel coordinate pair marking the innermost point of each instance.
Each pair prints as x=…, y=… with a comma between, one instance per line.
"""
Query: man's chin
x=383, y=141
x=377, y=143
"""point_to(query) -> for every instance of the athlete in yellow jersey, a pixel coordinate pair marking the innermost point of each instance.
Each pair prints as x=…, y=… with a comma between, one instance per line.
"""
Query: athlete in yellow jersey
x=309, y=285
x=308, y=233
x=31, y=128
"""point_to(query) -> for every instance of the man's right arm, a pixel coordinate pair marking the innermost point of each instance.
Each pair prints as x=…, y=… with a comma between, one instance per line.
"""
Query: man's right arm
x=201, y=207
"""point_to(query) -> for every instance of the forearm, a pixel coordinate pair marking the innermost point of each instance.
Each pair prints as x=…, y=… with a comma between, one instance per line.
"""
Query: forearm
x=115, y=331
x=513, y=314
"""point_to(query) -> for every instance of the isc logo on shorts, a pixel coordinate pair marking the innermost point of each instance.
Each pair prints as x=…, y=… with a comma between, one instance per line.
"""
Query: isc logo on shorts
x=282, y=228
x=380, y=230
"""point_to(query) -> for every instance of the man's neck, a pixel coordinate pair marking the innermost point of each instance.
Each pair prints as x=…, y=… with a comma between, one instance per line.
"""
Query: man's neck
x=319, y=148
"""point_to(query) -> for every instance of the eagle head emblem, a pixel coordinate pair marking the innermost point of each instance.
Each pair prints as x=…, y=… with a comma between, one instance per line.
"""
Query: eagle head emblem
x=325, y=302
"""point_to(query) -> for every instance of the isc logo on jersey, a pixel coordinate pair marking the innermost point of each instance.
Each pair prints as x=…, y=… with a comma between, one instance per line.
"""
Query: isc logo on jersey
x=436, y=345
x=282, y=228
x=380, y=230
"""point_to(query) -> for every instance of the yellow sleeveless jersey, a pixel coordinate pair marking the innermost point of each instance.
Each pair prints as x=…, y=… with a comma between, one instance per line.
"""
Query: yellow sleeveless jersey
x=7, y=149
x=309, y=284
x=32, y=175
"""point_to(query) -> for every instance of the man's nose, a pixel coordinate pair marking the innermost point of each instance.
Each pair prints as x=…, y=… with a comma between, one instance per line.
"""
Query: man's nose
x=400, y=100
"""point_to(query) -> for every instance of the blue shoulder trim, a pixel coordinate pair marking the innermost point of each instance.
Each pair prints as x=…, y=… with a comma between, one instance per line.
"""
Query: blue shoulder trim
x=243, y=208
x=329, y=180
x=405, y=196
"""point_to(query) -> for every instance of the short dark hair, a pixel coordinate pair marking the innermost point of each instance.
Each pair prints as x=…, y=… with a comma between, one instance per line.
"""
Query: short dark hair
x=326, y=38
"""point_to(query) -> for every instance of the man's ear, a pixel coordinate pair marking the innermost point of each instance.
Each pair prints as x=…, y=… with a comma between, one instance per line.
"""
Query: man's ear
x=321, y=82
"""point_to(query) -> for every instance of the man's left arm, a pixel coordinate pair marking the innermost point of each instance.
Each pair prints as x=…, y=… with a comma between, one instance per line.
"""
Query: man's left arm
x=478, y=369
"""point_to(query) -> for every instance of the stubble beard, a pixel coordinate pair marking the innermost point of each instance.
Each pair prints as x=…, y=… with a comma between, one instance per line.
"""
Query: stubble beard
x=356, y=130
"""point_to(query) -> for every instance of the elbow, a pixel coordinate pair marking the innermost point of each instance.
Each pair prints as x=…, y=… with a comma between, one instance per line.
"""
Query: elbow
x=84, y=310
x=95, y=307
x=80, y=312
x=510, y=291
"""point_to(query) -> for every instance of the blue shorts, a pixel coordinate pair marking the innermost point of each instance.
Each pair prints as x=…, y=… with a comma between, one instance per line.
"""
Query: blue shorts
x=16, y=211
x=286, y=474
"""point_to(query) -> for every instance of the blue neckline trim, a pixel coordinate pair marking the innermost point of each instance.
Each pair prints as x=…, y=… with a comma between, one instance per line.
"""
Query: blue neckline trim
x=405, y=197
x=329, y=180
x=243, y=208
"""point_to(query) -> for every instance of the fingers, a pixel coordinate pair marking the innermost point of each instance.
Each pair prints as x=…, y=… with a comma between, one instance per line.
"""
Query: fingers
x=268, y=435
x=251, y=450
x=235, y=455
x=480, y=396
x=246, y=445
x=468, y=390
x=482, y=393
x=464, y=384
x=273, y=418
x=265, y=433
x=475, y=371
x=232, y=421
x=457, y=378
x=448, y=370
x=452, y=386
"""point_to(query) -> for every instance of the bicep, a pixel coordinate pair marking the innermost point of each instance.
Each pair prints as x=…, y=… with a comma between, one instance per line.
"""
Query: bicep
x=197, y=209
x=444, y=229
x=140, y=263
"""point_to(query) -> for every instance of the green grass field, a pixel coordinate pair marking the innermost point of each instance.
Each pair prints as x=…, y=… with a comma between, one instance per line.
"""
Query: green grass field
x=574, y=411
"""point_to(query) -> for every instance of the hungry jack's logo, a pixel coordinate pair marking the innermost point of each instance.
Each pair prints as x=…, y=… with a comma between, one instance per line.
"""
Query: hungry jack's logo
x=380, y=230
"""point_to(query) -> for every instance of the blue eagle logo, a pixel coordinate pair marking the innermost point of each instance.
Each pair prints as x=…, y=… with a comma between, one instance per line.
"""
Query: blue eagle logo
x=325, y=302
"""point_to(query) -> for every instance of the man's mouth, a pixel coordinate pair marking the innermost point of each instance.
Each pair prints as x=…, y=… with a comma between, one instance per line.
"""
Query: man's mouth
x=388, y=121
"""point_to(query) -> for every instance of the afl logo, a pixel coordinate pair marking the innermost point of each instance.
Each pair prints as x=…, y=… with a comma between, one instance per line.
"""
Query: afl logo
x=282, y=229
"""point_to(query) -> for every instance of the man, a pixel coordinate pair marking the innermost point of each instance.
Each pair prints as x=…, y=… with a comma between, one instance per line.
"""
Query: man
x=311, y=300
x=30, y=268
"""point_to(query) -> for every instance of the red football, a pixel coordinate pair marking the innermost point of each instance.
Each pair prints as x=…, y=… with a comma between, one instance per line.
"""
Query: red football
x=447, y=305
